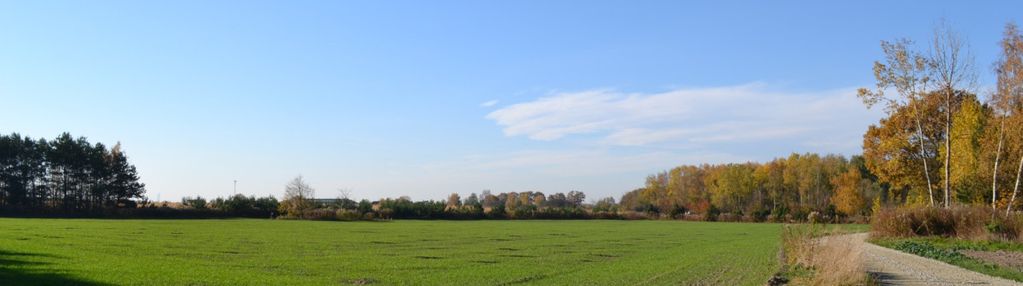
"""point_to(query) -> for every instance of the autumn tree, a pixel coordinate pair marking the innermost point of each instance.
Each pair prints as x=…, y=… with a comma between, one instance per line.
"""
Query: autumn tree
x=733, y=188
x=525, y=198
x=298, y=197
x=770, y=176
x=893, y=147
x=907, y=72
x=1007, y=102
x=967, y=131
x=454, y=201
x=849, y=188
x=490, y=201
x=539, y=200
x=511, y=203
x=952, y=68
x=656, y=191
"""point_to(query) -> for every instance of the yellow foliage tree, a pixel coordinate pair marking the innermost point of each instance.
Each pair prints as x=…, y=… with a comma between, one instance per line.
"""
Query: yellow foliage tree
x=848, y=198
x=966, y=180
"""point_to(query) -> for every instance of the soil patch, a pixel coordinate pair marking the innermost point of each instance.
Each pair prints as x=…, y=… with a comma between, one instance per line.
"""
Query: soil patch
x=1010, y=259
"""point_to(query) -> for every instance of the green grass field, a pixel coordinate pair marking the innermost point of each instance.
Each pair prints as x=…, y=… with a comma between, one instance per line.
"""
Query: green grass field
x=268, y=252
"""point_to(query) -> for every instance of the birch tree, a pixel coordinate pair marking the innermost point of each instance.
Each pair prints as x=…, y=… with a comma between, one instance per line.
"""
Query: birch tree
x=952, y=67
x=907, y=73
x=1007, y=100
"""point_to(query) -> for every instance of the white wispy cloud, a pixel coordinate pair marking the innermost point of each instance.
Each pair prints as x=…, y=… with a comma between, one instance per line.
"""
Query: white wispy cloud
x=617, y=138
x=694, y=117
x=489, y=103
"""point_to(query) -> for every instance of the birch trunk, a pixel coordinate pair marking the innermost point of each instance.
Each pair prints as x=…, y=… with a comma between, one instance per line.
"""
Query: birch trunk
x=1019, y=171
x=927, y=172
x=994, y=176
x=948, y=144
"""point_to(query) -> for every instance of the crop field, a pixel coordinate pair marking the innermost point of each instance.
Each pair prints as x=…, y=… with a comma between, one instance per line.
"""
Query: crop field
x=276, y=252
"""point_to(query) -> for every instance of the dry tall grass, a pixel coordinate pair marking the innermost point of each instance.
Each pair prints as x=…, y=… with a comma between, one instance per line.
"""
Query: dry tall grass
x=961, y=222
x=829, y=258
x=839, y=261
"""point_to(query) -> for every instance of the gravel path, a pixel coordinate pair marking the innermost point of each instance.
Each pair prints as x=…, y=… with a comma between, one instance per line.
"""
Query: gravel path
x=893, y=267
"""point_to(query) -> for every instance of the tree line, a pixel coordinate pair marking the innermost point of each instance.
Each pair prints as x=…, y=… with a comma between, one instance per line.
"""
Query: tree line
x=940, y=144
x=298, y=203
x=65, y=173
x=783, y=189
x=236, y=205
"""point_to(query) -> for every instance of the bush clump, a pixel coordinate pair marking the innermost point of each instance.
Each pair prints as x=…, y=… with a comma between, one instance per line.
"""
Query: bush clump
x=961, y=222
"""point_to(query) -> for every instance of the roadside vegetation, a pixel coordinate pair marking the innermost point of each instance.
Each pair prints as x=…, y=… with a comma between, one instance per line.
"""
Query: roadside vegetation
x=820, y=254
x=975, y=238
x=991, y=259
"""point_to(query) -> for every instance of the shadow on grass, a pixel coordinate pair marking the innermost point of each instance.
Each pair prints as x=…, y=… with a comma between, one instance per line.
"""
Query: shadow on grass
x=16, y=268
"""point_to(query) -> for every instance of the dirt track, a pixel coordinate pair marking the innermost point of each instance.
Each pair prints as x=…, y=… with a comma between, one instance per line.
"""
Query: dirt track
x=893, y=267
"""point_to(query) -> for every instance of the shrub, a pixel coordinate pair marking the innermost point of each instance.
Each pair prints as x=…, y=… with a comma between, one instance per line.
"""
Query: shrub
x=195, y=203
x=712, y=214
x=676, y=211
x=778, y=213
x=605, y=215
x=319, y=214
x=729, y=217
x=694, y=217
x=633, y=215
x=962, y=222
x=385, y=213
x=798, y=215
x=814, y=217
x=347, y=215
x=761, y=215
x=1005, y=228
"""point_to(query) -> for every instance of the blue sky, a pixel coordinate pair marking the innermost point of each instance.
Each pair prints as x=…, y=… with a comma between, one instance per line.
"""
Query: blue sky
x=427, y=98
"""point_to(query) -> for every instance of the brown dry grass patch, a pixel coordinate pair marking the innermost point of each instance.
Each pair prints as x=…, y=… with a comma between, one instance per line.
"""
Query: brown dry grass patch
x=960, y=222
x=819, y=257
